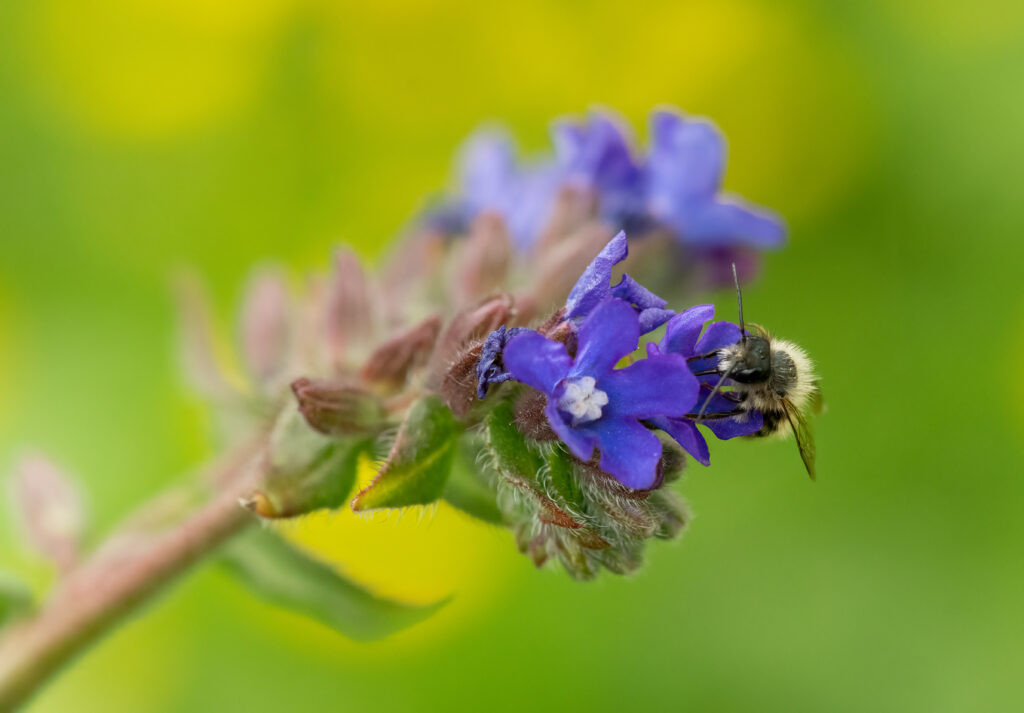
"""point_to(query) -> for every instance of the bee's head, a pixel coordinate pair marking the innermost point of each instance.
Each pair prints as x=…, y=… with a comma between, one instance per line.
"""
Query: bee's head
x=752, y=363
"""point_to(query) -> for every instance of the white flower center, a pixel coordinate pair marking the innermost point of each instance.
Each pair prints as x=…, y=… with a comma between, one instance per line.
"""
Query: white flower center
x=582, y=399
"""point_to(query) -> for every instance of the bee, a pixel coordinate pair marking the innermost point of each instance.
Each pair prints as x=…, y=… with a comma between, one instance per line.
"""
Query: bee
x=770, y=375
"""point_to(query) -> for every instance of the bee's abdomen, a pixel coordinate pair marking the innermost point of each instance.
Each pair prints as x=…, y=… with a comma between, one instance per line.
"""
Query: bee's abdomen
x=784, y=372
x=774, y=421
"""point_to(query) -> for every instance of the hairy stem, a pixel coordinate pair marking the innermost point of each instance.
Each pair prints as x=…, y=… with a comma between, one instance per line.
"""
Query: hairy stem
x=132, y=566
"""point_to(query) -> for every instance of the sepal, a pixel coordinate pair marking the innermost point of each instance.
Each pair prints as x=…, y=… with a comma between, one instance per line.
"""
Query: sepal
x=417, y=468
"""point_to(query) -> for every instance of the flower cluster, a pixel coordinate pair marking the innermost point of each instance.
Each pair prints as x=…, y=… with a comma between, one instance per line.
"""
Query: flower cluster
x=675, y=186
x=592, y=404
x=444, y=373
x=515, y=373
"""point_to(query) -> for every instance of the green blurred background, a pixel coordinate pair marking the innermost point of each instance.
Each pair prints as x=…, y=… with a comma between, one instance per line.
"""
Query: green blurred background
x=136, y=137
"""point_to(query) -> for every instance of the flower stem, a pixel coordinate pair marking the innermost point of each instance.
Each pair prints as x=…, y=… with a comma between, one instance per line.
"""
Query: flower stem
x=124, y=572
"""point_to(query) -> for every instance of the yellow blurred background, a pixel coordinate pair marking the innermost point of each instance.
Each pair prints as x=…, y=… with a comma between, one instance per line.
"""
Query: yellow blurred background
x=137, y=137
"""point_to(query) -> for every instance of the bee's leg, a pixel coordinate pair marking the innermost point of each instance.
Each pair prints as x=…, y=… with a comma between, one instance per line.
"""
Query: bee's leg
x=733, y=396
x=717, y=414
x=698, y=357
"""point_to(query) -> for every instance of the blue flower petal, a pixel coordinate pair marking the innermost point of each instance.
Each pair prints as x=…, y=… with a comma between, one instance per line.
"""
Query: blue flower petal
x=651, y=319
x=629, y=451
x=610, y=332
x=658, y=385
x=686, y=162
x=487, y=167
x=726, y=428
x=728, y=223
x=594, y=284
x=718, y=404
x=536, y=360
x=683, y=329
x=580, y=441
x=531, y=203
x=598, y=155
x=686, y=435
x=718, y=335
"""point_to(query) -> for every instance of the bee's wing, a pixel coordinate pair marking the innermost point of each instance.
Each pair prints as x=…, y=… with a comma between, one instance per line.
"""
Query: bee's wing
x=803, y=435
x=816, y=400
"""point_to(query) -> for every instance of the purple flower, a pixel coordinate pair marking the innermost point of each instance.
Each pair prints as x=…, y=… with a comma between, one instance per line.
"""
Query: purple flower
x=492, y=179
x=594, y=287
x=682, y=337
x=687, y=160
x=597, y=156
x=490, y=369
x=591, y=404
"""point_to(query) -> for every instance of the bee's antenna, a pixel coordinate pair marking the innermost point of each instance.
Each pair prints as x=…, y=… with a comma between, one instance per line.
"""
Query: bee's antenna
x=739, y=299
x=721, y=380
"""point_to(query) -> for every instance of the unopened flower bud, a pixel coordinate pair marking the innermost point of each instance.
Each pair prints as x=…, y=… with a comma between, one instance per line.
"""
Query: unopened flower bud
x=336, y=409
x=265, y=321
x=348, y=309
x=573, y=208
x=415, y=264
x=49, y=508
x=672, y=513
x=459, y=386
x=621, y=560
x=483, y=259
x=393, y=360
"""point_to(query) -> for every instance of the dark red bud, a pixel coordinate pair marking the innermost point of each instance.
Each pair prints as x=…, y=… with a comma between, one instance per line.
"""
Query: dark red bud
x=393, y=360
x=458, y=388
x=336, y=409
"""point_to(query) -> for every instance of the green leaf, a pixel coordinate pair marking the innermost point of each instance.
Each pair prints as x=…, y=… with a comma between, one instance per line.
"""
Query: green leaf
x=565, y=483
x=468, y=488
x=511, y=453
x=420, y=462
x=284, y=575
x=15, y=598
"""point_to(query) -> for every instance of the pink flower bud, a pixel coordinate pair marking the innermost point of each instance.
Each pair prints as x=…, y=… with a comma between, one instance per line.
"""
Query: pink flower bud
x=49, y=508
x=349, y=307
x=483, y=259
x=265, y=324
x=392, y=361
x=336, y=409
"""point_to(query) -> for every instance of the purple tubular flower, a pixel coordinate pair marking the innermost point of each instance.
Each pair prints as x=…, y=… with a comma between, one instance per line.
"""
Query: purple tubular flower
x=594, y=287
x=591, y=404
x=597, y=156
x=492, y=179
x=683, y=337
x=490, y=369
x=687, y=160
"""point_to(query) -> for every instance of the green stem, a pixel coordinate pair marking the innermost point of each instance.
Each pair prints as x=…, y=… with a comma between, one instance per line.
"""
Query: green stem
x=121, y=575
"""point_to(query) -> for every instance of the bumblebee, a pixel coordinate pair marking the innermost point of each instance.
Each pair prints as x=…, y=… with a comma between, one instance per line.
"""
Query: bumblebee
x=770, y=375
